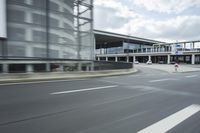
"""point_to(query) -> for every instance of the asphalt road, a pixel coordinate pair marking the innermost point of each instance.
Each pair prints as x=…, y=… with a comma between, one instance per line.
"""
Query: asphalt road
x=150, y=101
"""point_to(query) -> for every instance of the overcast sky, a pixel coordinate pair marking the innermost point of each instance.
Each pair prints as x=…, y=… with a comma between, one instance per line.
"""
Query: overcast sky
x=164, y=20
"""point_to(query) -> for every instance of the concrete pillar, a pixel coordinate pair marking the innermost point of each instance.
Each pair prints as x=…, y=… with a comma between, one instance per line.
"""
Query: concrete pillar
x=98, y=58
x=116, y=59
x=92, y=66
x=106, y=58
x=133, y=62
x=5, y=68
x=61, y=67
x=48, y=67
x=127, y=58
x=87, y=68
x=29, y=68
x=79, y=66
x=168, y=59
x=149, y=58
x=193, y=59
x=134, y=59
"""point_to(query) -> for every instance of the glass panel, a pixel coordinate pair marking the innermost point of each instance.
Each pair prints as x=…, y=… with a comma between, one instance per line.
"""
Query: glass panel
x=14, y=15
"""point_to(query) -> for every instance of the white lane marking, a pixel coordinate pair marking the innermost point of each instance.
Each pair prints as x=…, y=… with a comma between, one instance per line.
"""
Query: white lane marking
x=81, y=90
x=191, y=76
x=38, y=82
x=160, y=80
x=171, y=121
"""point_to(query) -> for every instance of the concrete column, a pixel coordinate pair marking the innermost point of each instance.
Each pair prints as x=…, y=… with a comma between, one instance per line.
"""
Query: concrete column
x=61, y=67
x=48, y=67
x=106, y=58
x=116, y=59
x=5, y=68
x=98, y=58
x=29, y=68
x=133, y=59
x=127, y=58
x=79, y=66
x=133, y=62
x=92, y=66
x=87, y=68
x=193, y=59
x=168, y=59
x=149, y=58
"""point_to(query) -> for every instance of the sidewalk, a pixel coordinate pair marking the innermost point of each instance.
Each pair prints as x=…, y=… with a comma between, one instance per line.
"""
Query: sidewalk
x=25, y=77
x=170, y=68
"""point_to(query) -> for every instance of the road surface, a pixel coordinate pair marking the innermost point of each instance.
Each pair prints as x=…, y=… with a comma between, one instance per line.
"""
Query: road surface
x=149, y=101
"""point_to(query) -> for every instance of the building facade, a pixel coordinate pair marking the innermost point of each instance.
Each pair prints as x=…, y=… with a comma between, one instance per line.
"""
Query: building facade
x=46, y=32
x=124, y=48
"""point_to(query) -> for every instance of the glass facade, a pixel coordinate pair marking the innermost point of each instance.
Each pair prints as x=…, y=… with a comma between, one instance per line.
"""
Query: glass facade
x=54, y=29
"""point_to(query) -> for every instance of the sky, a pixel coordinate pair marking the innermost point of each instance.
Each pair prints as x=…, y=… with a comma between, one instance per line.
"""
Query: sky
x=163, y=20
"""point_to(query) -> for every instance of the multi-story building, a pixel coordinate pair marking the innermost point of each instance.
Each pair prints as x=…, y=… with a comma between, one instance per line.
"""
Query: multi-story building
x=39, y=35
x=125, y=48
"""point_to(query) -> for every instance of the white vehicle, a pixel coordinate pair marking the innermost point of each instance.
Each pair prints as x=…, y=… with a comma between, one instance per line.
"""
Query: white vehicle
x=136, y=62
x=149, y=62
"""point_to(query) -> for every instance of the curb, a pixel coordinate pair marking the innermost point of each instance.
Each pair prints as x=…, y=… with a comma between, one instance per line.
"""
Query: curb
x=84, y=75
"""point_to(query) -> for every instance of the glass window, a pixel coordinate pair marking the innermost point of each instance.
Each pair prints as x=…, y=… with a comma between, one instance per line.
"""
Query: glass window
x=16, y=50
x=39, y=3
x=39, y=19
x=53, y=38
x=54, y=6
x=53, y=22
x=53, y=53
x=16, y=1
x=39, y=36
x=39, y=52
x=15, y=15
x=16, y=34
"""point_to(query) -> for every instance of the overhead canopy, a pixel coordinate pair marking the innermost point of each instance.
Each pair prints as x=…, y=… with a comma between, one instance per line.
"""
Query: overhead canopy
x=107, y=39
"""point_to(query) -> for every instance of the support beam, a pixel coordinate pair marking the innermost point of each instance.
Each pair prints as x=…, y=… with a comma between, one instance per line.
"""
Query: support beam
x=149, y=58
x=127, y=58
x=116, y=59
x=134, y=59
x=29, y=68
x=193, y=59
x=92, y=66
x=61, y=67
x=168, y=59
x=5, y=68
x=79, y=66
x=106, y=58
x=48, y=67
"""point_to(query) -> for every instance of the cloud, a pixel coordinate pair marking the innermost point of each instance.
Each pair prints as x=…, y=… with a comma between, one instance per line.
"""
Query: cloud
x=111, y=13
x=167, y=6
x=115, y=16
x=181, y=28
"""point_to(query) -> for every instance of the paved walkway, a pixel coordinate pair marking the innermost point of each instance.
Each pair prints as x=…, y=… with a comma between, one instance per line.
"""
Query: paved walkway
x=170, y=68
x=21, y=77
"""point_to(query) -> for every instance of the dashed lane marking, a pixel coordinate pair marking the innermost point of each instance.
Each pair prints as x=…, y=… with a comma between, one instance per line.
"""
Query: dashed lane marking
x=82, y=90
x=161, y=80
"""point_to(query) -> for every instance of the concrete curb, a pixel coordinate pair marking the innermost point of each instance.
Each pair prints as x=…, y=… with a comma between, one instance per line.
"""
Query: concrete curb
x=57, y=76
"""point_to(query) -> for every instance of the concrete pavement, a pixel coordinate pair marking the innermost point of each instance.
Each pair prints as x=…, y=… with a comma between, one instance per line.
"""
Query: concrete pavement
x=119, y=104
x=170, y=68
